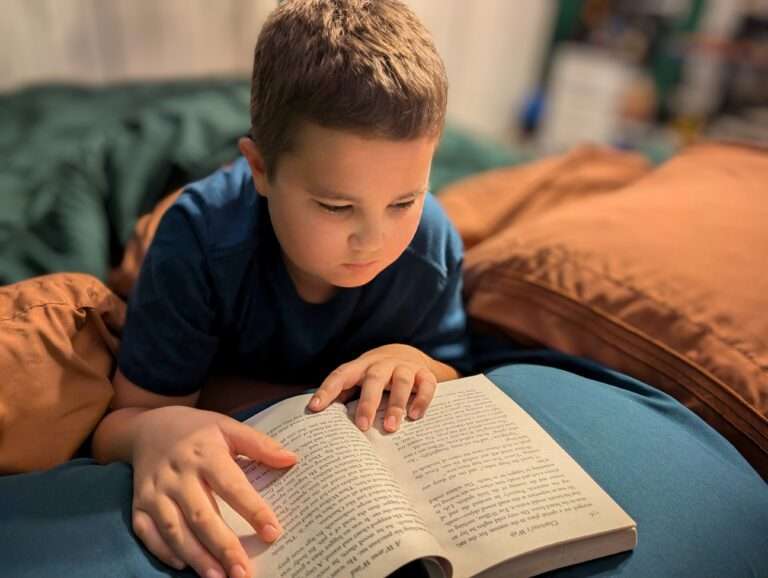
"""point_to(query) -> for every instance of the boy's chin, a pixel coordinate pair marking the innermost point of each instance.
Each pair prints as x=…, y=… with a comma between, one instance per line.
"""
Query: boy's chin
x=354, y=280
x=346, y=277
x=351, y=284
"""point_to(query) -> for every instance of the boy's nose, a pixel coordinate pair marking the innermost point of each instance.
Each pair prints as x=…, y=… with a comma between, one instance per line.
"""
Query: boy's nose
x=368, y=239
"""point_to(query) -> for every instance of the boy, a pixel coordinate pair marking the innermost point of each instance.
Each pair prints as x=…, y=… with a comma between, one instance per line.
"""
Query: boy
x=317, y=257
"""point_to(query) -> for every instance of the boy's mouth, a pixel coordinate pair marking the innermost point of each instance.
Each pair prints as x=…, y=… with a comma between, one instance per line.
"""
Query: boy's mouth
x=360, y=266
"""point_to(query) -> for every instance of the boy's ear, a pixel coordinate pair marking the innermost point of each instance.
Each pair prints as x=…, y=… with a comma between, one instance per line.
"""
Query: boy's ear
x=253, y=155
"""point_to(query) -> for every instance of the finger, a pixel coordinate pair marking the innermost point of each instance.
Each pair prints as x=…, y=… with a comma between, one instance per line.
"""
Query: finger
x=342, y=378
x=377, y=378
x=175, y=532
x=258, y=446
x=226, y=478
x=399, y=392
x=144, y=527
x=211, y=499
x=425, y=385
x=194, y=501
x=347, y=395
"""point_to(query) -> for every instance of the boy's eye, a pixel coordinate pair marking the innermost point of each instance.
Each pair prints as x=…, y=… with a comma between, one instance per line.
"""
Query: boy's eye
x=404, y=204
x=334, y=208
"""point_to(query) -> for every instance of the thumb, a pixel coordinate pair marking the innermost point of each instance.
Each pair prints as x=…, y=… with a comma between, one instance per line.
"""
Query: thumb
x=257, y=445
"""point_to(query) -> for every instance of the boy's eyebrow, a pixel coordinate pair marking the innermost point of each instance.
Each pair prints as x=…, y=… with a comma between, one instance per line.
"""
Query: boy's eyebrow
x=336, y=196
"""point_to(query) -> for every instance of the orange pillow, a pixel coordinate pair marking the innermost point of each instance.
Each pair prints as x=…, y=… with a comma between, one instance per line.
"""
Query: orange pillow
x=122, y=278
x=663, y=278
x=57, y=347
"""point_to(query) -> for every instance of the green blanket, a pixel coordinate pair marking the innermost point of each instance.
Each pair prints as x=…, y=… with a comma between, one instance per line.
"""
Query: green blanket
x=79, y=165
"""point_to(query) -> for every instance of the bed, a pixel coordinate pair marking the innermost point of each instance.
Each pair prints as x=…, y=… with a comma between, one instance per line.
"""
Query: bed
x=621, y=304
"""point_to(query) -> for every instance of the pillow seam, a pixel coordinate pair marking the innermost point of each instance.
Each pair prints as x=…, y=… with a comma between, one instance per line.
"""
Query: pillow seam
x=566, y=258
x=675, y=375
x=25, y=310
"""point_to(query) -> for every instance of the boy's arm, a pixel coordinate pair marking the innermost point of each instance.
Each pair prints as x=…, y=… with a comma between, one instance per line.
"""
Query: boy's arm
x=441, y=371
x=180, y=455
x=113, y=438
x=402, y=369
x=438, y=351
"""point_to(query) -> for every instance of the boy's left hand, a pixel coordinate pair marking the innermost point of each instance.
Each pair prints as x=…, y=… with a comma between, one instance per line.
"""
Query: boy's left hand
x=401, y=369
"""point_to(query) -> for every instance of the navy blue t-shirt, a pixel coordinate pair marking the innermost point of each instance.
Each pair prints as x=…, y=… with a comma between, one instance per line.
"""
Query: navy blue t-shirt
x=213, y=294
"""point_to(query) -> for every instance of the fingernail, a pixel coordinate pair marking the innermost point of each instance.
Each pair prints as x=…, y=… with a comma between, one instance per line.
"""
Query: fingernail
x=314, y=403
x=287, y=453
x=237, y=571
x=416, y=413
x=270, y=533
x=214, y=573
x=362, y=423
x=391, y=423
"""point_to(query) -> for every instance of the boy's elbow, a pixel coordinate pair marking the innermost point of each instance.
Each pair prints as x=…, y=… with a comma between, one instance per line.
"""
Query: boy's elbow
x=128, y=394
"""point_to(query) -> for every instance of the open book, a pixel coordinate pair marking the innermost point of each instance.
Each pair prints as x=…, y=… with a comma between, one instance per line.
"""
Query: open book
x=476, y=487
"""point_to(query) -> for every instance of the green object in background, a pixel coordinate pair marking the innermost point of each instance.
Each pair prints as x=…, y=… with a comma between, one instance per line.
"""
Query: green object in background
x=461, y=154
x=79, y=165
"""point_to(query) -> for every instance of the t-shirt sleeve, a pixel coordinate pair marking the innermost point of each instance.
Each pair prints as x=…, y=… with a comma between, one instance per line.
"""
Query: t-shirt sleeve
x=169, y=341
x=442, y=332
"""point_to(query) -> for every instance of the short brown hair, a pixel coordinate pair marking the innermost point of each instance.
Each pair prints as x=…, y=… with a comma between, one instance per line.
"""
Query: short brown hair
x=368, y=66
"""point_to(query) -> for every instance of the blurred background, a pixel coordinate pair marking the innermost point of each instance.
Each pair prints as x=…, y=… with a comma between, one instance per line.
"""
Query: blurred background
x=536, y=75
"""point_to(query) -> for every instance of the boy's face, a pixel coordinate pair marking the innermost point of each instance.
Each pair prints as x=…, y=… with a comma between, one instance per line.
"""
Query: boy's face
x=343, y=207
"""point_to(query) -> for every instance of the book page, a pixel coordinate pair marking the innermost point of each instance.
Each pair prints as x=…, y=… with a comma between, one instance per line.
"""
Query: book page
x=489, y=481
x=342, y=512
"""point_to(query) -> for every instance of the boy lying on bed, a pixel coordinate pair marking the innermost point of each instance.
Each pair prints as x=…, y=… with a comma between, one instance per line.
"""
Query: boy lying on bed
x=317, y=257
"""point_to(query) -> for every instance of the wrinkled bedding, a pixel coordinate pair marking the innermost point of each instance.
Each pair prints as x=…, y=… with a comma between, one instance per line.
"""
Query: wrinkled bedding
x=79, y=165
x=657, y=272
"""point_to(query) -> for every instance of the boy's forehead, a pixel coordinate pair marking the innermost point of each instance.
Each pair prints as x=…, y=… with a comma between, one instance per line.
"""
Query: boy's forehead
x=312, y=137
x=335, y=161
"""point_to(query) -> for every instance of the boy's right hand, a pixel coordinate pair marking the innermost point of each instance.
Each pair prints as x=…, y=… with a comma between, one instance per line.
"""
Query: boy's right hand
x=181, y=456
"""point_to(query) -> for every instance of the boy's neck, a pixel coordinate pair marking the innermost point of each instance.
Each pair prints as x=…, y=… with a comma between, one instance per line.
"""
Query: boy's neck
x=310, y=289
